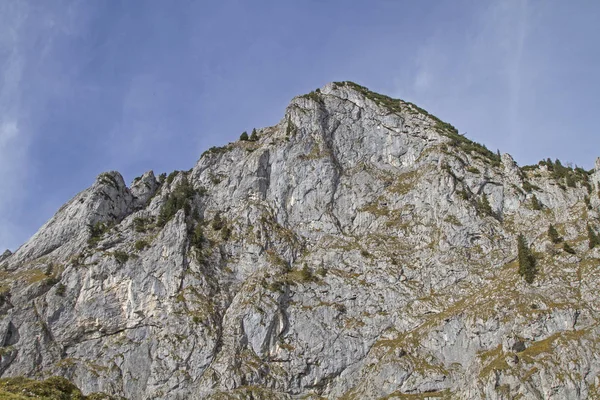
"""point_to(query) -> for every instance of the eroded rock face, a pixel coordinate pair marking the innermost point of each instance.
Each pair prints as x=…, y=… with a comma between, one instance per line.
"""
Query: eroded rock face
x=361, y=248
x=7, y=253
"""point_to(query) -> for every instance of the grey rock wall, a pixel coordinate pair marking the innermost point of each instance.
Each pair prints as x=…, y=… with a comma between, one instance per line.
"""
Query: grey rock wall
x=345, y=254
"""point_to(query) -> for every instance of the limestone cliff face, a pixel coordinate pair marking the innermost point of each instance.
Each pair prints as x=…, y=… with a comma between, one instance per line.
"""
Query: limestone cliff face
x=361, y=248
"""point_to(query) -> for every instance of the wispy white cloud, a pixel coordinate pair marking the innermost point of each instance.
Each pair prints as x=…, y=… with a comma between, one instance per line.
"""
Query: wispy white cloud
x=32, y=76
x=498, y=51
x=428, y=59
x=14, y=137
x=142, y=124
x=472, y=71
x=515, y=63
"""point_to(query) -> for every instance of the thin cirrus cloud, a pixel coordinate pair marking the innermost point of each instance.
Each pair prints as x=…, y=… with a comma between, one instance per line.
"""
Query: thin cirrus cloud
x=29, y=77
x=14, y=137
x=482, y=60
x=514, y=75
x=502, y=39
x=93, y=86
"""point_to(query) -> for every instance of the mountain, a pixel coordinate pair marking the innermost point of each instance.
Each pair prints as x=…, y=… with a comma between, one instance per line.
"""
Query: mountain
x=359, y=249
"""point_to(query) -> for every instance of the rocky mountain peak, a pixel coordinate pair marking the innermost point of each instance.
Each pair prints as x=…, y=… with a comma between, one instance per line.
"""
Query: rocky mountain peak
x=6, y=254
x=360, y=248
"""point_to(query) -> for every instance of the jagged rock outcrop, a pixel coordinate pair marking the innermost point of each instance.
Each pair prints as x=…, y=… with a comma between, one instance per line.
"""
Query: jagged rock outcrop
x=7, y=253
x=361, y=248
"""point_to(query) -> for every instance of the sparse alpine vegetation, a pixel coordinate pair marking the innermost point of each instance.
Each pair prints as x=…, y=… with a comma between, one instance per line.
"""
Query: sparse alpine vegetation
x=54, y=388
x=178, y=199
x=96, y=231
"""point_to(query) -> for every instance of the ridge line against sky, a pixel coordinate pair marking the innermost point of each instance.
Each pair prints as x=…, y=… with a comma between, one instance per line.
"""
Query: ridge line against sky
x=93, y=86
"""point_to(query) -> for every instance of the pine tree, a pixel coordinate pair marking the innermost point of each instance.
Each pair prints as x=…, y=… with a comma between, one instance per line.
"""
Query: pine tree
x=176, y=200
x=535, y=203
x=290, y=128
x=254, y=136
x=217, y=223
x=226, y=233
x=244, y=136
x=527, y=268
x=593, y=237
x=587, y=201
x=553, y=234
x=197, y=237
x=522, y=250
x=483, y=205
x=559, y=171
x=568, y=248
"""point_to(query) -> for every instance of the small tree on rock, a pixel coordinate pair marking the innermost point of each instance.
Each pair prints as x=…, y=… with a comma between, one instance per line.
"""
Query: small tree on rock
x=254, y=136
x=483, y=206
x=197, y=236
x=527, y=267
x=226, y=233
x=535, y=203
x=593, y=237
x=553, y=234
x=217, y=223
x=244, y=136
x=568, y=248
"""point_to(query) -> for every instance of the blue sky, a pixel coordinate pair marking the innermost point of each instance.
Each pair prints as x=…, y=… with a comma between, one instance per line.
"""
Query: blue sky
x=90, y=86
